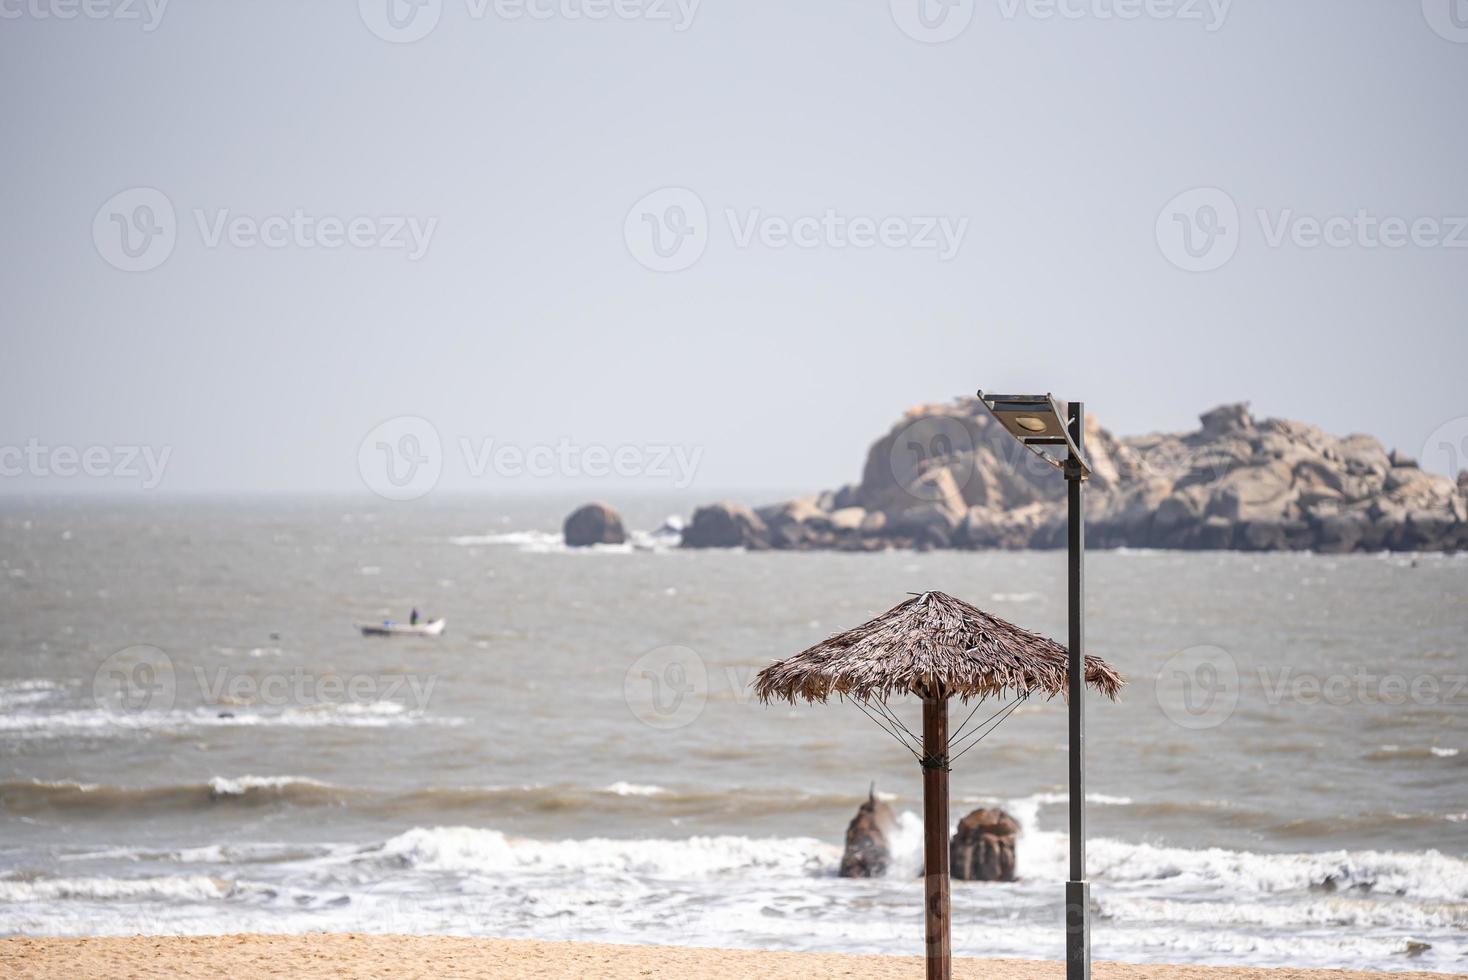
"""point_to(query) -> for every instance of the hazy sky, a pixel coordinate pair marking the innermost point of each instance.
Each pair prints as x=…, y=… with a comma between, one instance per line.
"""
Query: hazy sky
x=246, y=235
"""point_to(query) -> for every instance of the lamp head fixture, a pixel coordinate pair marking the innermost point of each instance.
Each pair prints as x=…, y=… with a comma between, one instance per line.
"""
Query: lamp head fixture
x=1040, y=424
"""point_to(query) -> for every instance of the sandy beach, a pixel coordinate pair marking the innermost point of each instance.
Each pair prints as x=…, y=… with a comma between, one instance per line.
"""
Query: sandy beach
x=351, y=955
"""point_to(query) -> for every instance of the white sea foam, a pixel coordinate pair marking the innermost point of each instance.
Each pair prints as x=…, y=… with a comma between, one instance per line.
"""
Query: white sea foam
x=906, y=847
x=549, y=542
x=1102, y=799
x=243, y=853
x=479, y=850
x=186, y=888
x=1030, y=804
x=620, y=788
x=240, y=785
x=524, y=539
x=66, y=784
x=1415, y=751
x=1356, y=913
x=247, y=853
x=1430, y=875
x=18, y=693
x=1222, y=946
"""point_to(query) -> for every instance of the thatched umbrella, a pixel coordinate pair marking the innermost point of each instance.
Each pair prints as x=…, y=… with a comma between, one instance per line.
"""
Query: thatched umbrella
x=936, y=647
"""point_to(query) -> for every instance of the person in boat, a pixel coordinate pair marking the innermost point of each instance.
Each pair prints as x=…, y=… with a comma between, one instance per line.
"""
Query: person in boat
x=413, y=619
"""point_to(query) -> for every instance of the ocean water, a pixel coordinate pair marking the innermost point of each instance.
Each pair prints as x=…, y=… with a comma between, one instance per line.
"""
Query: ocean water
x=194, y=738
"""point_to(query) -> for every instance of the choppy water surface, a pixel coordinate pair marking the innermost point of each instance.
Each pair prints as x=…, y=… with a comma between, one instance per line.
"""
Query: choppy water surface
x=195, y=739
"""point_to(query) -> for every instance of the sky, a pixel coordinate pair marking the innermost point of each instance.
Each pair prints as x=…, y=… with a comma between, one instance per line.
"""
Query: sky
x=516, y=245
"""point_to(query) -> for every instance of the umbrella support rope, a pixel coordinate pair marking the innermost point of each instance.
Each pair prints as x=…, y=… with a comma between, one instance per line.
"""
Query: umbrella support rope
x=1013, y=705
x=891, y=716
x=958, y=736
x=964, y=724
x=886, y=719
x=977, y=737
x=987, y=725
x=878, y=722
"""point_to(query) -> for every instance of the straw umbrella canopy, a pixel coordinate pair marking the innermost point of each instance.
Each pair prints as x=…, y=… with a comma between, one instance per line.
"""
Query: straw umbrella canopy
x=936, y=647
x=932, y=645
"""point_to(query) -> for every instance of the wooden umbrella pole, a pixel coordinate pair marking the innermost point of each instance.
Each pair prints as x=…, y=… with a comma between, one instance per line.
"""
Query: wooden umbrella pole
x=935, y=838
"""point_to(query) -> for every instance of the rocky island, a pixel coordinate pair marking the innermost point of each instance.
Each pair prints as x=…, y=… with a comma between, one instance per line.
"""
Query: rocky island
x=948, y=476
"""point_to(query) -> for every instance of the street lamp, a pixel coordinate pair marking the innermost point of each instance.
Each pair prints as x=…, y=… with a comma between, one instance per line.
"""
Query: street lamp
x=1055, y=432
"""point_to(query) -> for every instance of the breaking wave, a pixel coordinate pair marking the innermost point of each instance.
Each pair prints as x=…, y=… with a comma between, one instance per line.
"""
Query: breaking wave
x=481, y=850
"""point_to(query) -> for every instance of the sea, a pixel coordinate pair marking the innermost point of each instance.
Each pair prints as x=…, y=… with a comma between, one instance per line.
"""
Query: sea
x=196, y=738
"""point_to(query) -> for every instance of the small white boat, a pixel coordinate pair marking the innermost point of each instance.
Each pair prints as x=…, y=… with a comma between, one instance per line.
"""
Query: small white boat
x=389, y=628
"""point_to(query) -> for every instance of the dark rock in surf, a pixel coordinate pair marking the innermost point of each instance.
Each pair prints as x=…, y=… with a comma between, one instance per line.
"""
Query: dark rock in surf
x=982, y=849
x=726, y=525
x=868, y=840
x=594, y=524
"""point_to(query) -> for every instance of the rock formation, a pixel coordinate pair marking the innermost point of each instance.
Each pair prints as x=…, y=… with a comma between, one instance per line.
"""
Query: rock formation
x=594, y=524
x=867, y=849
x=947, y=476
x=982, y=849
x=726, y=525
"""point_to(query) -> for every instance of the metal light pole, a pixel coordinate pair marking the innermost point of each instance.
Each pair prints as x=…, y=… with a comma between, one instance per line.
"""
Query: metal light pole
x=1039, y=424
x=1077, y=889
